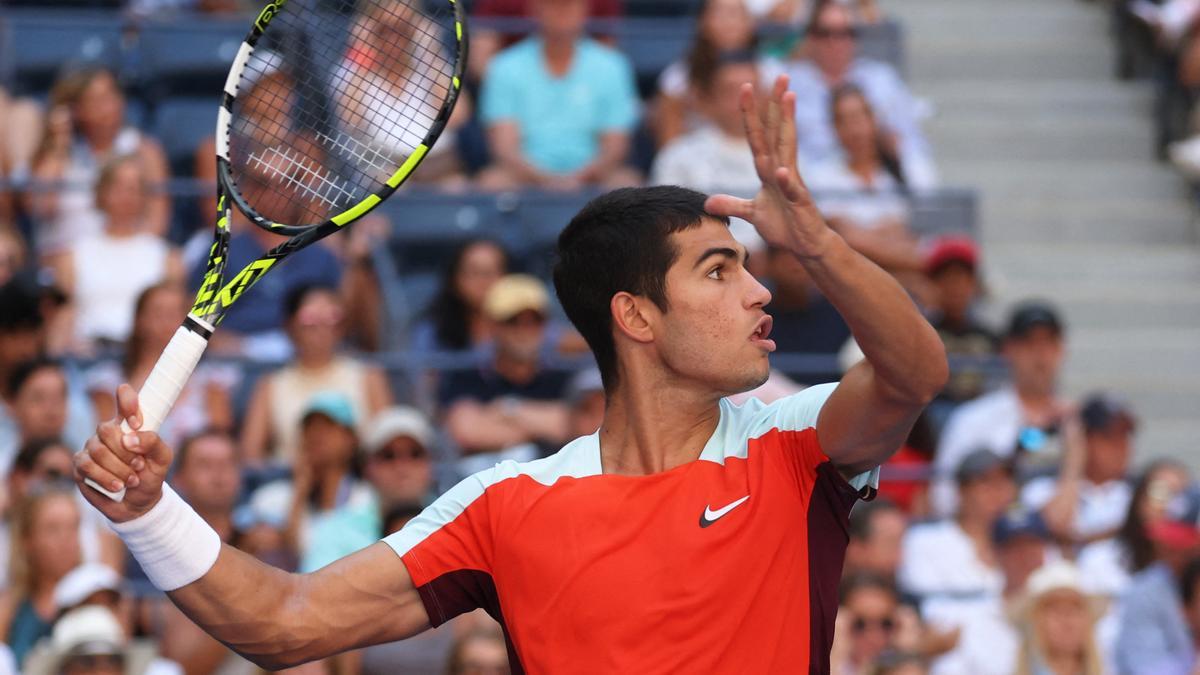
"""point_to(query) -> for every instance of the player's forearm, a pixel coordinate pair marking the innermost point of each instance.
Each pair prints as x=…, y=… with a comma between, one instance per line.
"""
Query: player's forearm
x=253, y=608
x=905, y=352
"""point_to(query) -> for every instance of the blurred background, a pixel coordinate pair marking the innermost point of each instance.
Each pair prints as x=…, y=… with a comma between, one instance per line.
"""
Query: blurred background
x=1026, y=169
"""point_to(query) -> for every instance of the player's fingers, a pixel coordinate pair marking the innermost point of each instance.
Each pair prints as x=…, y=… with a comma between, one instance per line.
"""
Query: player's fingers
x=733, y=207
x=128, y=409
x=752, y=120
x=788, y=141
x=95, y=461
x=113, y=436
x=156, y=452
x=789, y=183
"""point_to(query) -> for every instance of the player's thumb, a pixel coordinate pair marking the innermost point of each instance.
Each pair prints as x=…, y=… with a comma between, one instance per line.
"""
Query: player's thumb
x=733, y=207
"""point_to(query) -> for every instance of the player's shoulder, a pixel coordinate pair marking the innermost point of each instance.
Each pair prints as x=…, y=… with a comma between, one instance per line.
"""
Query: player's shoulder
x=755, y=419
x=578, y=459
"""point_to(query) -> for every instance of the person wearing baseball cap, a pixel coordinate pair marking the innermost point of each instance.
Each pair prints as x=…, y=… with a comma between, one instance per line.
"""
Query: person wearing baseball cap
x=398, y=446
x=512, y=402
x=1089, y=498
x=951, y=266
x=1024, y=413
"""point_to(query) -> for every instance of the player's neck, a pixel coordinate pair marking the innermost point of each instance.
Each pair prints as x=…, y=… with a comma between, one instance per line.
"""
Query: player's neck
x=653, y=427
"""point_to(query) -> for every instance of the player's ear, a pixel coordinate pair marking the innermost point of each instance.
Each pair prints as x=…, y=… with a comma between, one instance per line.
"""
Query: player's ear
x=631, y=318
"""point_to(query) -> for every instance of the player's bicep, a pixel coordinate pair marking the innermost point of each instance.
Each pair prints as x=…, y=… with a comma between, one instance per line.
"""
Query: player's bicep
x=363, y=599
x=859, y=426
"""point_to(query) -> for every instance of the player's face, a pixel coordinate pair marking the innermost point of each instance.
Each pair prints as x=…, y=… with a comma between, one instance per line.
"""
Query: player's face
x=714, y=331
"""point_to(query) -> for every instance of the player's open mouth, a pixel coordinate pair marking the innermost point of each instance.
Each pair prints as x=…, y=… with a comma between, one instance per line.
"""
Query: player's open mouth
x=760, y=336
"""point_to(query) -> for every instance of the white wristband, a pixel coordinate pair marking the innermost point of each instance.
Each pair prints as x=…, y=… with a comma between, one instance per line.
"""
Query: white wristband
x=171, y=541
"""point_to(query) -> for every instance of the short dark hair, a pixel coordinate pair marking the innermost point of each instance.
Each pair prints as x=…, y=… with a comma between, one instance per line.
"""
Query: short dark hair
x=620, y=242
x=296, y=297
x=20, y=308
x=866, y=580
x=32, y=450
x=185, y=446
x=27, y=369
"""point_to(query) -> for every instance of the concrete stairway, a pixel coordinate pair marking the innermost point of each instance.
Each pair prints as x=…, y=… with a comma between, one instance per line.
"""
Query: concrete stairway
x=1075, y=209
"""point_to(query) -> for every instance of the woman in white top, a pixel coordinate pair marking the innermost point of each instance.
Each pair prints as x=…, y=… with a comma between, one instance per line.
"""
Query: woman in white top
x=85, y=128
x=205, y=401
x=864, y=192
x=722, y=26
x=103, y=273
x=315, y=324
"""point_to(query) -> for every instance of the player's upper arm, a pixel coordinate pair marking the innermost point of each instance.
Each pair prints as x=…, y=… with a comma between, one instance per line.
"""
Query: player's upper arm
x=860, y=426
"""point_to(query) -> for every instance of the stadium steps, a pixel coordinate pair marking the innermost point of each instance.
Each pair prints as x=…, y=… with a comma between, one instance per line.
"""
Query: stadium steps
x=1074, y=208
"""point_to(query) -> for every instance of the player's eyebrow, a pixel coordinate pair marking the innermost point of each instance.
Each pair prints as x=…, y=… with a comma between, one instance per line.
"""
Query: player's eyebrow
x=723, y=251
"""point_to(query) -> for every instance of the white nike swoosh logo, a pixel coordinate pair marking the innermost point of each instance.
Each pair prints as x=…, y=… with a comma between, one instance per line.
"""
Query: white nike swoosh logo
x=709, y=516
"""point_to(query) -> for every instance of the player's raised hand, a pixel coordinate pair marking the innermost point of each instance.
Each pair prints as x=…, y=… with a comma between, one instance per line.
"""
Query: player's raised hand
x=137, y=461
x=783, y=211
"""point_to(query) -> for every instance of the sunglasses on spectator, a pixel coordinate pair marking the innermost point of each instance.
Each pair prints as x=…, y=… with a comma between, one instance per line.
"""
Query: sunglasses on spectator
x=414, y=454
x=835, y=33
x=861, y=624
x=315, y=316
x=86, y=663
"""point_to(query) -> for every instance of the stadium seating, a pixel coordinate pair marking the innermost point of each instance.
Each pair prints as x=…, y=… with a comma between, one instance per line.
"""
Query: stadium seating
x=187, y=57
x=35, y=45
x=181, y=124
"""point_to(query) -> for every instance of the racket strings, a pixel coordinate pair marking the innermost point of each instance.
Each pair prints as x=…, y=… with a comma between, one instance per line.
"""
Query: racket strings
x=332, y=103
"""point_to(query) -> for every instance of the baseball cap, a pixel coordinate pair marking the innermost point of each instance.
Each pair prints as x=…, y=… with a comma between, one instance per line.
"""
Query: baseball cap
x=514, y=294
x=82, y=582
x=1033, y=314
x=1180, y=526
x=87, y=631
x=1102, y=409
x=395, y=422
x=334, y=405
x=1019, y=522
x=948, y=250
x=979, y=463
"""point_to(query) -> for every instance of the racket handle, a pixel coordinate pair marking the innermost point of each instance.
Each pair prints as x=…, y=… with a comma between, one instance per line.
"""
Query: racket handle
x=164, y=385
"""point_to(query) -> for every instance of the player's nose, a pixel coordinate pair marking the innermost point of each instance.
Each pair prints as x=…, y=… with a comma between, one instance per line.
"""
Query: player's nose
x=758, y=295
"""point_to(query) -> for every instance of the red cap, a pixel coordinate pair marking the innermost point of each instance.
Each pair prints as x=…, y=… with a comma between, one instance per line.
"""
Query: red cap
x=951, y=250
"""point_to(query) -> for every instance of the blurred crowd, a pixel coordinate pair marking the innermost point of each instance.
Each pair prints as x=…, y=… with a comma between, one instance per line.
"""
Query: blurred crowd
x=1016, y=532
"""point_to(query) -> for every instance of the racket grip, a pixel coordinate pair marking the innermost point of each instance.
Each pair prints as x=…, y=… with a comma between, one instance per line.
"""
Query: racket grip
x=164, y=385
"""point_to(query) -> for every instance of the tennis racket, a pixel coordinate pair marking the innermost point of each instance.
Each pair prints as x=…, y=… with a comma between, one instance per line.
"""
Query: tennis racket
x=329, y=107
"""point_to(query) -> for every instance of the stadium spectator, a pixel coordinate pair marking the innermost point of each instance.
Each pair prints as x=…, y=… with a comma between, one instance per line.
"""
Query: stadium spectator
x=713, y=156
x=454, y=320
x=36, y=400
x=480, y=652
x=324, y=480
x=686, y=87
x=85, y=129
x=159, y=8
x=45, y=546
x=876, y=534
x=1056, y=620
x=205, y=400
x=379, y=124
x=988, y=642
x=1108, y=564
x=93, y=585
x=315, y=318
x=511, y=403
x=21, y=122
x=90, y=641
x=23, y=338
x=1154, y=636
x=255, y=325
x=104, y=272
x=1091, y=495
x=586, y=403
x=831, y=47
x=399, y=444
x=487, y=40
x=956, y=556
x=861, y=190
x=1019, y=419
x=952, y=268
x=870, y=620
x=12, y=252
x=559, y=107
x=805, y=322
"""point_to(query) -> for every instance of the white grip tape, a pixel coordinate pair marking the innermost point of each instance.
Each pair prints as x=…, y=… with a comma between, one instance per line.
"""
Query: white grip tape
x=163, y=387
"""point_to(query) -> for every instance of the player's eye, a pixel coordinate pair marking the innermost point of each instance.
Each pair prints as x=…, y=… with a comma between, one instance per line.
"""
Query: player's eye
x=716, y=272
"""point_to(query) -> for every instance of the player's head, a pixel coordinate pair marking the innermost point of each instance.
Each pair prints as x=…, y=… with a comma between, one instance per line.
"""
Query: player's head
x=653, y=281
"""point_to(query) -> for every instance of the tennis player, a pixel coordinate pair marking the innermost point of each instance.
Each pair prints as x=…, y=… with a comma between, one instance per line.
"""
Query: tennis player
x=686, y=535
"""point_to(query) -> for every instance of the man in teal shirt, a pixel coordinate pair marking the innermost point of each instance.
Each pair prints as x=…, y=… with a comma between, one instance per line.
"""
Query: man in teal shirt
x=559, y=107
